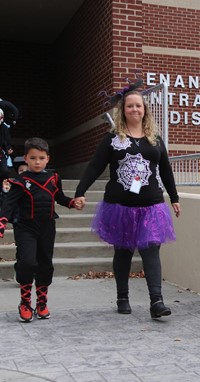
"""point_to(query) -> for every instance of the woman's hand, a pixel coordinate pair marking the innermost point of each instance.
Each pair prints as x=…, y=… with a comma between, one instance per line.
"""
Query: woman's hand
x=79, y=202
x=177, y=209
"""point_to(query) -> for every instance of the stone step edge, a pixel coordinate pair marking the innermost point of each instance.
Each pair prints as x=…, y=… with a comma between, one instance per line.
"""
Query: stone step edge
x=67, y=245
x=84, y=260
x=71, y=267
x=69, y=215
x=59, y=229
x=66, y=230
x=91, y=203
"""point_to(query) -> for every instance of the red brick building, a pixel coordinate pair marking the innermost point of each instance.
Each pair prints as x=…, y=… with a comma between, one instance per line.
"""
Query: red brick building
x=56, y=84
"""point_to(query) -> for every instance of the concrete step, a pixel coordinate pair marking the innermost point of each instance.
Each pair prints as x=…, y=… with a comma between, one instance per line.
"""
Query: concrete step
x=63, y=235
x=67, y=250
x=69, y=235
x=91, y=196
x=71, y=184
x=74, y=220
x=71, y=267
x=88, y=209
x=68, y=219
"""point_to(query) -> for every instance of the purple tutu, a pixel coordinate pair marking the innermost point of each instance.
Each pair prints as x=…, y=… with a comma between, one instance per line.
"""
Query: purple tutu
x=133, y=227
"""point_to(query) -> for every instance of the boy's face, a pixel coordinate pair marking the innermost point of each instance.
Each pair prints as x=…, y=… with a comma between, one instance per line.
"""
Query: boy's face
x=36, y=160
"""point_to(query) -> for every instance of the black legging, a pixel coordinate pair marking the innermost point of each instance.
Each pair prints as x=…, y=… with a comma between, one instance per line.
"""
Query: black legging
x=35, y=244
x=152, y=269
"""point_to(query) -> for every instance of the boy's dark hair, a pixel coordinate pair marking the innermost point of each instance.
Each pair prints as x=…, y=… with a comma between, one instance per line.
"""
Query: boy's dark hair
x=36, y=143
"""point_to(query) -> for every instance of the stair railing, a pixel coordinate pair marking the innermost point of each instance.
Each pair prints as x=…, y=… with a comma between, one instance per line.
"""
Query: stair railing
x=186, y=169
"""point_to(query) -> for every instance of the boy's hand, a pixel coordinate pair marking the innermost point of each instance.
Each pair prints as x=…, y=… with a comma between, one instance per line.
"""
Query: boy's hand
x=79, y=202
x=3, y=222
x=6, y=185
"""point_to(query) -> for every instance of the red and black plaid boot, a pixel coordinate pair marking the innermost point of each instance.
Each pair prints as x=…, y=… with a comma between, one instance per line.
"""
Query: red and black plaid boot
x=41, y=310
x=25, y=310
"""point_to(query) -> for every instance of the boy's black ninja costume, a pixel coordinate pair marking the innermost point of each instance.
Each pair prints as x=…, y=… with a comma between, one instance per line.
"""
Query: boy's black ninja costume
x=35, y=195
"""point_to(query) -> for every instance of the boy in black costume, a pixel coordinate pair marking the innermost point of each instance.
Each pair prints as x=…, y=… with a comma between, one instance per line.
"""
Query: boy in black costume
x=35, y=192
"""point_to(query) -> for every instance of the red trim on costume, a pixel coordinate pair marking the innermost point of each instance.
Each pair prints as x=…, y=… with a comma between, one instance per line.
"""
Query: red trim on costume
x=45, y=184
x=27, y=192
x=32, y=201
x=71, y=203
x=13, y=181
x=4, y=218
x=3, y=222
x=44, y=187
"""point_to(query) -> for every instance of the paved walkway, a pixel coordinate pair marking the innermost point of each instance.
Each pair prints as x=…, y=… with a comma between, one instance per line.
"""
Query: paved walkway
x=85, y=340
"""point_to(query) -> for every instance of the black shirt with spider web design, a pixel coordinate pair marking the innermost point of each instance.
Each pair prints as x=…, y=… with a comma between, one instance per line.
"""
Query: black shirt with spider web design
x=126, y=160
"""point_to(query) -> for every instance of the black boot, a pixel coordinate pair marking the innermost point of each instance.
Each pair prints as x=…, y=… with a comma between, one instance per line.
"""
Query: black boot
x=158, y=309
x=123, y=306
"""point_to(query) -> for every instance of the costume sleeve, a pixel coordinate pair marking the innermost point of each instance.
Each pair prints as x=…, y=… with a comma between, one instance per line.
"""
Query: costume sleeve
x=6, y=138
x=166, y=173
x=9, y=204
x=96, y=166
x=60, y=197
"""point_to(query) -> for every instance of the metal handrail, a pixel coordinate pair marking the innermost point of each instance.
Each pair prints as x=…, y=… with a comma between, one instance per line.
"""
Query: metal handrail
x=157, y=99
x=186, y=169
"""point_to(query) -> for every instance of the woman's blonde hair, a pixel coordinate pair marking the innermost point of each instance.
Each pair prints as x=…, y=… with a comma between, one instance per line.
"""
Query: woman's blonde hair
x=148, y=122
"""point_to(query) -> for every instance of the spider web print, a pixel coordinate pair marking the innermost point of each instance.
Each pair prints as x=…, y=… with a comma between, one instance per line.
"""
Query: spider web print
x=132, y=166
x=160, y=184
x=120, y=145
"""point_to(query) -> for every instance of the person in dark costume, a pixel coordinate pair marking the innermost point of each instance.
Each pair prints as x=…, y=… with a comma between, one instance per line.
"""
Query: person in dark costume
x=133, y=213
x=34, y=192
x=9, y=115
x=5, y=151
x=11, y=112
x=19, y=164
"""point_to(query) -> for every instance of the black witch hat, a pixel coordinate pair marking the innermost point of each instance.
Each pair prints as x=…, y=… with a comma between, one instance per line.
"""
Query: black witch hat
x=11, y=112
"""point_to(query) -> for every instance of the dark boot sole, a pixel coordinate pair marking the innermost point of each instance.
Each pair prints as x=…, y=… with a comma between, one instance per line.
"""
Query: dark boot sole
x=166, y=312
x=124, y=311
x=123, y=306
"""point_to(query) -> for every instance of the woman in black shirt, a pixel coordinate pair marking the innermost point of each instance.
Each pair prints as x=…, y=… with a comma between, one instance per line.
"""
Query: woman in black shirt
x=133, y=213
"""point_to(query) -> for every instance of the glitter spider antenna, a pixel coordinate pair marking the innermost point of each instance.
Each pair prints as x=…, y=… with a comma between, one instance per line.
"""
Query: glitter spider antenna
x=113, y=99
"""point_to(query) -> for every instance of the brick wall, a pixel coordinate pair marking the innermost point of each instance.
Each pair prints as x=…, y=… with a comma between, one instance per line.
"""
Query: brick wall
x=106, y=48
x=127, y=40
x=84, y=63
x=175, y=28
x=172, y=27
x=84, y=68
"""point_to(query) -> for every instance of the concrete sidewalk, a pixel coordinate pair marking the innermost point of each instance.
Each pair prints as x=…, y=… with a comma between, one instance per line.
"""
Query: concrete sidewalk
x=85, y=340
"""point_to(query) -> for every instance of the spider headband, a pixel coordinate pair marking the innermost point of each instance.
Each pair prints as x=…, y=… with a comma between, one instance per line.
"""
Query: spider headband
x=112, y=100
